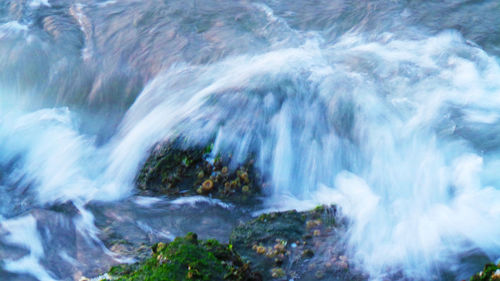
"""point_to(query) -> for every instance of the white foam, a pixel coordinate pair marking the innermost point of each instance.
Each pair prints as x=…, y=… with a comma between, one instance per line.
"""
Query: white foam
x=23, y=233
x=193, y=200
x=145, y=201
x=38, y=3
x=12, y=28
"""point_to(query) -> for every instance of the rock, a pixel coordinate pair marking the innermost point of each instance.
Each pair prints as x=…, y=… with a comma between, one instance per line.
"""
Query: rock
x=270, y=244
x=176, y=171
x=491, y=272
x=187, y=258
x=277, y=273
x=308, y=253
x=319, y=274
x=274, y=245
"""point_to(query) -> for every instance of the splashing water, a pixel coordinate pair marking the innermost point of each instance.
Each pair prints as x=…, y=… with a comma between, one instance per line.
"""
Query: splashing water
x=400, y=145
x=401, y=132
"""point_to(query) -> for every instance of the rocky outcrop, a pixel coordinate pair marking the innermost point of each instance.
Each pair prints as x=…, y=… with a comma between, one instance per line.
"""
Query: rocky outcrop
x=491, y=272
x=296, y=245
x=187, y=258
x=176, y=171
x=276, y=246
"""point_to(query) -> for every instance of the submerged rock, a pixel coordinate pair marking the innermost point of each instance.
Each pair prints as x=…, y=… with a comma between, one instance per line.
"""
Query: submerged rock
x=174, y=170
x=283, y=246
x=187, y=258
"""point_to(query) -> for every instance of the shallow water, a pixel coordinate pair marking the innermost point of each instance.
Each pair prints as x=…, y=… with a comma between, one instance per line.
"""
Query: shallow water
x=390, y=109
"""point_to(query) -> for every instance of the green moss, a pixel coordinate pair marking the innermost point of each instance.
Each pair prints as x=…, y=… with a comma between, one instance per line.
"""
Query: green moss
x=320, y=208
x=208, y=149
x=174, y=170
x=296, y=245
x=489, y=273
x=187, y=258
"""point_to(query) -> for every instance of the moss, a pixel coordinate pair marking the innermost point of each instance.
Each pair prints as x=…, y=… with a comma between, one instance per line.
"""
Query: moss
x=187, y=258
x=491, y=272
x=320, y=208
x=277, y=273
x=274, y=242
x=174, y=170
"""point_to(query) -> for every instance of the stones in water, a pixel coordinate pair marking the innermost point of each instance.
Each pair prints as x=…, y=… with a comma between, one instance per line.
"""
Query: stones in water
x=176, y=171
x=274, y=246
x=187, y=258
x=283, y=246
x=491, y=272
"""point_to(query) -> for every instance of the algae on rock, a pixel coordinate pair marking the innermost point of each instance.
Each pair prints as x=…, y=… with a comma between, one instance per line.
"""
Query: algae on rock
x=283, y=246
x=174, y=170
x=491, y=272
x=187, y=258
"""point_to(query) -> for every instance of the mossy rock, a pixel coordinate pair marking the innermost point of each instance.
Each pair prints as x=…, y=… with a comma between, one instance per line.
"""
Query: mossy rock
x=289, y=226
x=491, y=272
x=175, y=170
x=283, y=245
x=187, y=258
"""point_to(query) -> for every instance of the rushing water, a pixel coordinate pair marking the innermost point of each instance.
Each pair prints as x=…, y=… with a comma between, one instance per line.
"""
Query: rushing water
x=390, y=109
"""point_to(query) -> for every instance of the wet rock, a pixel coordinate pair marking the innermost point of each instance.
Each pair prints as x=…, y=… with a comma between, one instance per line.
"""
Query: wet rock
x=125, y=248
x=275, y=245
x=491, y=272
x=271, y=244
x=277, y=273
x=308, y=253
x=176, y=171
x=320, y=274
x=187, y=258
x=67, y=208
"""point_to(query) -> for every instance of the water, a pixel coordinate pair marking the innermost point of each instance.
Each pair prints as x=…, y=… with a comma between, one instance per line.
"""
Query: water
x=388, y=108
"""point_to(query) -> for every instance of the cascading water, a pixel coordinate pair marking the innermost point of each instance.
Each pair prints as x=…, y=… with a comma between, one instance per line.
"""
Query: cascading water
x=366, y=105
